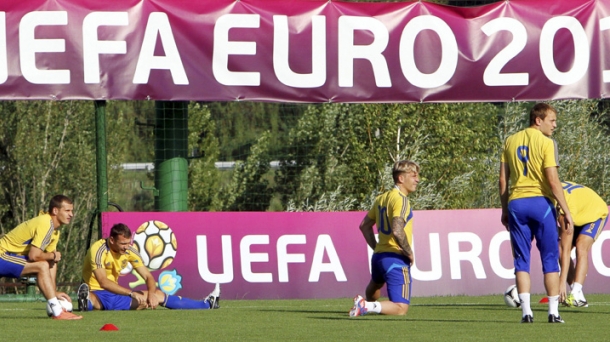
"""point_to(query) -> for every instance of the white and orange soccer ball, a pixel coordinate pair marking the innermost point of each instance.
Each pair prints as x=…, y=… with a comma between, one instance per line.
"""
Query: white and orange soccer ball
x=156, y=243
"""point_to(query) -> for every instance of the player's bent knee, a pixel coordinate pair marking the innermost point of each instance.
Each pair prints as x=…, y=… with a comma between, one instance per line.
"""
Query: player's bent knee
x=95, y=302
x=160, y=295
x=402, y=309
x=37, y=268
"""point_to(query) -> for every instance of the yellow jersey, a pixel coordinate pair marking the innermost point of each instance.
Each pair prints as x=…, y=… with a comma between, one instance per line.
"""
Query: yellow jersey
x=527, y=154
x=38, y=232
x=100, y=256
x=388, y=205
x=585, y=205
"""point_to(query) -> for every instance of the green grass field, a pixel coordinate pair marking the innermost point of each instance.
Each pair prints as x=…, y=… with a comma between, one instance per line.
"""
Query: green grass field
x=429, y=319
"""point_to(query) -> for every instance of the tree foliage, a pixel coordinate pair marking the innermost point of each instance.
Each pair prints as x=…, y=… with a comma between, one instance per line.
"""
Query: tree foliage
x=349, y=146
x=48, y=148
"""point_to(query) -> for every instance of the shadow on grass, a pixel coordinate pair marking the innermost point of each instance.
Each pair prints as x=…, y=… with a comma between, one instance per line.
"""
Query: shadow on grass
x=343, y=314
x=305, y=311
x=456, y=305
x=406, y=319
x=581, y=311
x=20, y=318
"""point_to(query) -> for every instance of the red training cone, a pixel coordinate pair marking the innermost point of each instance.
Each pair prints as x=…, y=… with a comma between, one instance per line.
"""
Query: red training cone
x=544, y=300
x=109, y=327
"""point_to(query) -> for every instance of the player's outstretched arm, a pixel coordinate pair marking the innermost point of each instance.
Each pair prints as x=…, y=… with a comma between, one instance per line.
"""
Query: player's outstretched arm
x=553, y=177
x=565, y=248
x=152, y=300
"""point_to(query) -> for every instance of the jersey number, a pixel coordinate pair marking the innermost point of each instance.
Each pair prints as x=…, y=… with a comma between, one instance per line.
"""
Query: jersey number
x=383, y=221
x=523, y=153
x=567, y=186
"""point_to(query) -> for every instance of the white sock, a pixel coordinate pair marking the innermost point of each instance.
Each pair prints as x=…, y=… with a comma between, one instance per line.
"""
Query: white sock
x=373, y=307
x=526, y=309
x=553, y=305
x=55, y=306
x=576, y=287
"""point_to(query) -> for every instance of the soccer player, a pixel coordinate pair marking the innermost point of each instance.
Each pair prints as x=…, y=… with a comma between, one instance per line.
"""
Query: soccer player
x=590, y=214
x=101, y=290
x=529, y=163
x=31, y=249
x=393, y=255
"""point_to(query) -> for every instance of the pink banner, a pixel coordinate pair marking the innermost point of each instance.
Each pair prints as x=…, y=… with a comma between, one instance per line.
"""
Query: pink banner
x=304, y=50
x=323, y=255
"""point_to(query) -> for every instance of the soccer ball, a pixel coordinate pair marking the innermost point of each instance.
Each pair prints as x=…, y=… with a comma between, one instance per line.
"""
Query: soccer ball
x=156, y=244
x=66, y=305
x=511, y=297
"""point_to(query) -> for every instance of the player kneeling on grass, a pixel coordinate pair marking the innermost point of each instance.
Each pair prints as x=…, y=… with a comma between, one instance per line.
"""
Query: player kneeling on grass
x=30, y=250
x=590, y=214
x=393, y=256
x=101, y=291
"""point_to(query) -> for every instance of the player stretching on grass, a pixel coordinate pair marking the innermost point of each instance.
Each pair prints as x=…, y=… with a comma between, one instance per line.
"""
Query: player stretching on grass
x=590, y=214
x=529, y=162
x=101, y=268
x=30, y=249
x=393, y=256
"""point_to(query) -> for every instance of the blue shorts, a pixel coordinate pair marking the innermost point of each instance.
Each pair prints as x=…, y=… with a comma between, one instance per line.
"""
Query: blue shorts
x=11, y=265
x=529, y=218
x=592, y=229
x=112, y=301
x=394, y=270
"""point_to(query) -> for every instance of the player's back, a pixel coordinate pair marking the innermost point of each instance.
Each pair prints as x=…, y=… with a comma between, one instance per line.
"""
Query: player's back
x=528, y=153
x=585, y=205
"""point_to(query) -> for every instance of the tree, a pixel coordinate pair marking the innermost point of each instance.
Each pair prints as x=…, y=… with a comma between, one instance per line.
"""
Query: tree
x=249, y=188
x=48, y=148
x=351, y=147
x=204, y=178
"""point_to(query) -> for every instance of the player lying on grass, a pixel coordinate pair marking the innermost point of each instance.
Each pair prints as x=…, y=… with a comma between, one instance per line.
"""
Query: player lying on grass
x=393, y=256
x=590, y=214
x=30, y=249
x=101, y=290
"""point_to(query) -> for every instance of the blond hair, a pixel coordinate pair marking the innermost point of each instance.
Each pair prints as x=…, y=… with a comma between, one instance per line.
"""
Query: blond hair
x=403, y=166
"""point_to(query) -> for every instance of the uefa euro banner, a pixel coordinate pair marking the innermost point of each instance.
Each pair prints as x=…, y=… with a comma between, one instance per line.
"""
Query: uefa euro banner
x=323, y=255
x=304, y=50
